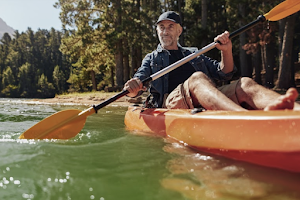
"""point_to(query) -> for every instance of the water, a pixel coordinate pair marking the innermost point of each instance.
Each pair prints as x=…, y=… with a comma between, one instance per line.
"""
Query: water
x=106, y=162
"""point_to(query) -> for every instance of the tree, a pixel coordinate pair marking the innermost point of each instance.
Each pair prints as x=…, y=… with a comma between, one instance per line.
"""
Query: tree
x=285, y=79
x=25, y=57
x=85, y=41
x=58, y=80
x=246, y=69
x=27, y=81
x=8, y=84
x=119, y=43
x=8, y=77
x=204, y=20
x=267, y=43
x=45, y=89
x=5, y=44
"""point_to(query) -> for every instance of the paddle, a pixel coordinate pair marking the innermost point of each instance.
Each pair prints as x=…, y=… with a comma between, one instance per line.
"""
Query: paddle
x=68, y=123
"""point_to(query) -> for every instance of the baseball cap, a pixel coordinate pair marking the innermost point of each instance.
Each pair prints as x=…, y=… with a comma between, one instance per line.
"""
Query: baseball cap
x=171, y=16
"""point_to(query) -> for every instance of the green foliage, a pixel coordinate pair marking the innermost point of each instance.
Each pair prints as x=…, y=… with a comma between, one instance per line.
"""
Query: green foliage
x=27, y=80
x=25, y=58
x=101, y=39
x=59, y=80
x=79, y=80
x=86, y=47
x=8, y=77
x=45, y=89
x=10, y=91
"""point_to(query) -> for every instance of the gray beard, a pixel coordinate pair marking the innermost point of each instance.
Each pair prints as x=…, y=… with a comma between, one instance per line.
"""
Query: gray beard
x=164, y=44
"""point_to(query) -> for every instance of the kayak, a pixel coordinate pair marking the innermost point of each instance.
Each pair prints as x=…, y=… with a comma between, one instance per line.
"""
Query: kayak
x=267, y=138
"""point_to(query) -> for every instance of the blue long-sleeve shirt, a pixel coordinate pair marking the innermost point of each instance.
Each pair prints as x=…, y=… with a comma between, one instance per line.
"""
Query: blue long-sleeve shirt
x=159, y=59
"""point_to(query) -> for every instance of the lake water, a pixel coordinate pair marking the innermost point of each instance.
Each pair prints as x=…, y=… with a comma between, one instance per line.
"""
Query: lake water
x=107, y=162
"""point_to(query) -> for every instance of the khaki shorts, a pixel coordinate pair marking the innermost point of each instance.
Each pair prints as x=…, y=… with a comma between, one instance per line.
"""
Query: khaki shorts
x=180, y=97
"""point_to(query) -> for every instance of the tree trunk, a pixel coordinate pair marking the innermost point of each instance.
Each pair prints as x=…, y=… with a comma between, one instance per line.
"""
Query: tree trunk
x=139, y=46
x=134, y=66
x=281, y=34
x=139, y=57
x=204, y=20
x=94, y=80
x=119, y=64
x=284, y=74
x=181, y=38
x=245, y=71
x=270, y=64
x=270, y=46
x=263, y=57
x=136, y=61
x=136, y=49
x=256, y=60
x=126, y=61
x=119, y=47
x=112, y=76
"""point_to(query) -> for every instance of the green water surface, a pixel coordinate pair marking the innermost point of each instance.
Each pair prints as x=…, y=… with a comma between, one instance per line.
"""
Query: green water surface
x=107, y=162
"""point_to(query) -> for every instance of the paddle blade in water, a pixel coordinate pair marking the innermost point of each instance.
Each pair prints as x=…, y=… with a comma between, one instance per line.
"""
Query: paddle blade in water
x=283, y=10
x=61, y=125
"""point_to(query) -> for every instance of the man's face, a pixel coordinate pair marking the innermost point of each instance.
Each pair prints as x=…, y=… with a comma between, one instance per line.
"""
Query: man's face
x=168, y=34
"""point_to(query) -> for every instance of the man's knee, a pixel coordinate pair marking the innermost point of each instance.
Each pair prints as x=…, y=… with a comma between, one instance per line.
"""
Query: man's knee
x=246, y=83
x=198, y=77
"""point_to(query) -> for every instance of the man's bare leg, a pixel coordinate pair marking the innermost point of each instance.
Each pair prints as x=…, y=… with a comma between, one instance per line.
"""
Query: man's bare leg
x=204, y=93
x=261, y=98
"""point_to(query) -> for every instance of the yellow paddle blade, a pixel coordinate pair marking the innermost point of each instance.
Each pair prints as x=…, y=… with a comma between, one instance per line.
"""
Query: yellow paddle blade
x=61, y=125
x=283, y=10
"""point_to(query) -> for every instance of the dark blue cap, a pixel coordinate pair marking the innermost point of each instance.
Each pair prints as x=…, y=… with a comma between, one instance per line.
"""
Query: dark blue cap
x=171, y=16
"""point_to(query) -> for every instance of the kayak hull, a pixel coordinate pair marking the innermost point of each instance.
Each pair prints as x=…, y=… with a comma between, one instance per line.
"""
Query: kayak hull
x=268, y=138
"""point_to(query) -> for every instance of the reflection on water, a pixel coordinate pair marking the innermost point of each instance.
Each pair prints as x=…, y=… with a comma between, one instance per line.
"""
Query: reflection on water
x=201, y=176
x=106, y=162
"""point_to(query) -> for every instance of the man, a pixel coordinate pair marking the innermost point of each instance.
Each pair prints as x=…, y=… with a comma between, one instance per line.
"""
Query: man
x=193, y=84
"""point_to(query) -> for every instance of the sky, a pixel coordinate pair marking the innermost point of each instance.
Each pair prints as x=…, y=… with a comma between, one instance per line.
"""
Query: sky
x=21, y=14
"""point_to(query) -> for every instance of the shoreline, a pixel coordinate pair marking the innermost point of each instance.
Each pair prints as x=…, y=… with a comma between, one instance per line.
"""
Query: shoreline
x=87, y=100
x=90, y=99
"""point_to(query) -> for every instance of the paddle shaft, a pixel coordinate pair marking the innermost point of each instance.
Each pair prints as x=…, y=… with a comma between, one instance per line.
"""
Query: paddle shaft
x=179, y=63
x=259, y=19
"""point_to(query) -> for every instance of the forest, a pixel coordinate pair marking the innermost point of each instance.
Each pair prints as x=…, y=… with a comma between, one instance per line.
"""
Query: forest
x=102, y=43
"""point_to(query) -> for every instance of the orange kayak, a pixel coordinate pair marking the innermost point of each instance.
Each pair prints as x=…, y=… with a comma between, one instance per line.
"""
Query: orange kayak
x=268, y=138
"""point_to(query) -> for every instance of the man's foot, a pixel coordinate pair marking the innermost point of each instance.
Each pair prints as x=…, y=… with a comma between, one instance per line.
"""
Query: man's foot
x=285, y=101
